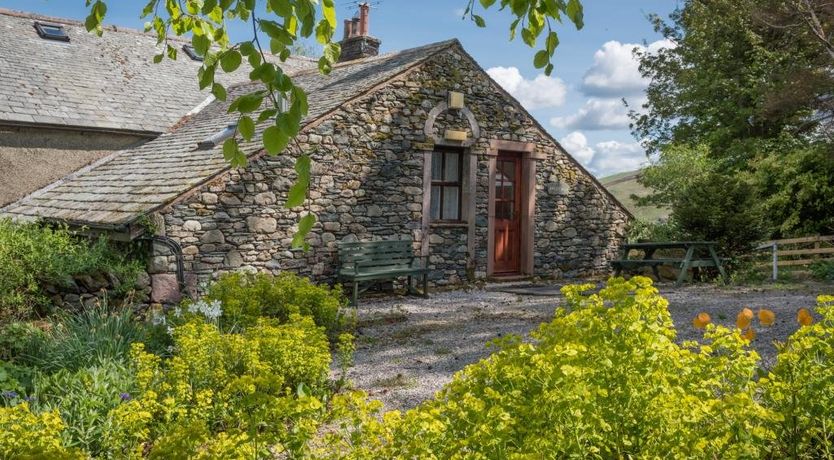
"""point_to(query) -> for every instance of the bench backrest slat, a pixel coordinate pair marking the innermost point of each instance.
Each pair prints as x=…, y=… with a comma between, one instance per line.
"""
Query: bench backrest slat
x=377, y=254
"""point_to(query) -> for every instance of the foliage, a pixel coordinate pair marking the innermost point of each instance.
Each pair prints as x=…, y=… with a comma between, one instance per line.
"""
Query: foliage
x=32, y=255
x=26, y=435
x=79, y=340
x=799, y=388
x=242, y=393
x=604, y=379
x=84, y=398
x=245, y=297
x=823, y=270
x=706, y=203
x=639, y=230
x=18, y=337
x=746, y=86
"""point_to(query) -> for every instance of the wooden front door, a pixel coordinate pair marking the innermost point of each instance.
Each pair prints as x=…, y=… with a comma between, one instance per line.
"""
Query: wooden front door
x=507, y=211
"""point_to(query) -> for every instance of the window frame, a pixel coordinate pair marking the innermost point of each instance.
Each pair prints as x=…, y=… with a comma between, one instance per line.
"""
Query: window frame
x=43, y=32
x=442, y=183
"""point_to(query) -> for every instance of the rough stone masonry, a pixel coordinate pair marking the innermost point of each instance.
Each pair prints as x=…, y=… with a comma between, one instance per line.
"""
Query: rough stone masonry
x=368, y=159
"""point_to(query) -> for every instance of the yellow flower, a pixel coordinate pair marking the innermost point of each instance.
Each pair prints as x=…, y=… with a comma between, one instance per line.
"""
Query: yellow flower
x=766, y=317
x=701, y=320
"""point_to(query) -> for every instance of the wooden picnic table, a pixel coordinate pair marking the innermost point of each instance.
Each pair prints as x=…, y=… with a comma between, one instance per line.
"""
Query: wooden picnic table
x=697, y=254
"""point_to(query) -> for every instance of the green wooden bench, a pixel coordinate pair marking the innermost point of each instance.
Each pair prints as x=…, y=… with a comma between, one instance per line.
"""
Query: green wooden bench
x=370, y=262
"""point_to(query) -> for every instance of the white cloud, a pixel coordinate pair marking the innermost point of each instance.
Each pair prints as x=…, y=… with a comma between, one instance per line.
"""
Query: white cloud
x=595, y=114
x=577, y=145
x=612, y=157
x=540, y=92
x=616, y=72
x=459, y=12
x=604, y=158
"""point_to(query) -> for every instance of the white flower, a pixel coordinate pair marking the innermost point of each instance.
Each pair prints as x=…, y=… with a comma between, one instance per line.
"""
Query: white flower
x=177, y=312
x=158, y=319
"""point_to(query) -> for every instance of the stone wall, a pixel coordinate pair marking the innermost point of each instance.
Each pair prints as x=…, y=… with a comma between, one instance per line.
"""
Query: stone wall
x=368, y=185
x=91, y=289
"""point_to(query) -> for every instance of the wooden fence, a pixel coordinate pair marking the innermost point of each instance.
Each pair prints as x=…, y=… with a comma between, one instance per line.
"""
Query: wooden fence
x=792, y=252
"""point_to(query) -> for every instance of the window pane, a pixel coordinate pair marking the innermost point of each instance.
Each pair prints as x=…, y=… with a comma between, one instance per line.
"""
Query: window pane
x=452, y=167
x=508, y=170
x=451, y=199
x=435, y=203
x=436, y=166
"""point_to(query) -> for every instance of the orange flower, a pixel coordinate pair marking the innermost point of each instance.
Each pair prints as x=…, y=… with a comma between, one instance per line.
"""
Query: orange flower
x=766, y=317
x=749, y=334
x=744, y=318
x=804, y=317
x=701, y=320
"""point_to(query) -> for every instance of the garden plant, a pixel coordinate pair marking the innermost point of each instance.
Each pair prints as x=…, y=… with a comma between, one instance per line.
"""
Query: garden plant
x=606, y=378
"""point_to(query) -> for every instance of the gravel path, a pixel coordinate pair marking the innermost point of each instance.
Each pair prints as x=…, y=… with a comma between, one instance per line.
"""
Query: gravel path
x=409, y=347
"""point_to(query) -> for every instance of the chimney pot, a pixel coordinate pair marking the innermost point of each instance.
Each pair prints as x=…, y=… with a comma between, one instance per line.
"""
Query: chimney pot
x=363, y=19
x=348, y=26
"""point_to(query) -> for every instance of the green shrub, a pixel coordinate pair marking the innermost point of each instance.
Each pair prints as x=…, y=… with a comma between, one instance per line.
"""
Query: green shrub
x=823, y=270
x=249, y=394
x=800, y=387
x=32, y=255
x=79, y=340
x=84, y=398
x=26, y=435
x=18, y=337
x=246, y=297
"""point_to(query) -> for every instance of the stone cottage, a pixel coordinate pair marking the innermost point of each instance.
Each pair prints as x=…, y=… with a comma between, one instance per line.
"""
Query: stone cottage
x=69, y=98
x=419, y=144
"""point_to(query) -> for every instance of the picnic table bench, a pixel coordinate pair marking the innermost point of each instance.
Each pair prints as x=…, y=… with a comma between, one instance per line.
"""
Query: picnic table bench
x=369, y=262
x=697, y=254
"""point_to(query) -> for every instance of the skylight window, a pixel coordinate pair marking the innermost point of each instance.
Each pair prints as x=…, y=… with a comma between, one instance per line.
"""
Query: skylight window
x=51, y=31
x=189, y=50
x=217, y=138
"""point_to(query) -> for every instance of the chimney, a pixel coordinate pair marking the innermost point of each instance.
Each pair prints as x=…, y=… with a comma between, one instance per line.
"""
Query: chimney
x=357, y=44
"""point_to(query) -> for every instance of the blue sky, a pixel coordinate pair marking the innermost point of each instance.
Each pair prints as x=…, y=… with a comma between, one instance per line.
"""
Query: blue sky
x=580, y=104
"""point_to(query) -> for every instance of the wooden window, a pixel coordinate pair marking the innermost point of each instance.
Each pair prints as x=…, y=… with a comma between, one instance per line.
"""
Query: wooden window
x=446, y=174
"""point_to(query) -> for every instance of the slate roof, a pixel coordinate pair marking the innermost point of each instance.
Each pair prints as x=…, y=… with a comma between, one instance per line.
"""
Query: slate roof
x=104, y=83
x=120, y=188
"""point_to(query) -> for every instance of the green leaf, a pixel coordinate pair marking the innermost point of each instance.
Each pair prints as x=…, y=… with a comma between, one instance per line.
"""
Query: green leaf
x=205, y=75
x=487, y=3
x=248, y=102
x=281, y=7
x=230, y=61
x=528, y=37
x=232, y=153
x=200, y=43
x=246, y=48
x=305, y=225
x=479, y=21
x=219, y=91
x=158, y=58
x=551, y=43
x=246, y=127
x=540, y=59
x=329, y=12
x=298, y=192
x=575, y=13
x=275, y=140
x=266, y=115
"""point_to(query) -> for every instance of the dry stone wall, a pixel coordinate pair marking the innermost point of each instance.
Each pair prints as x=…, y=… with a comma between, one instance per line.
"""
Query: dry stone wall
x=368, y=185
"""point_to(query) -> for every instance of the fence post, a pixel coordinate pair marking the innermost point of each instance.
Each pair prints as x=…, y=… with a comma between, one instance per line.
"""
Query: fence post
x=775, y=262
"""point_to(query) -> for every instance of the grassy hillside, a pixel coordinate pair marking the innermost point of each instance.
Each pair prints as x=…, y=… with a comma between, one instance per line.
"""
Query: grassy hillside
x=623, y=185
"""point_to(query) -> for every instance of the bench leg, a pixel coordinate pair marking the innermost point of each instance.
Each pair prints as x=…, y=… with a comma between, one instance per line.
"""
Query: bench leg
x=656, y=272
x=685, y=266
x=355, y=297
x=425, y=284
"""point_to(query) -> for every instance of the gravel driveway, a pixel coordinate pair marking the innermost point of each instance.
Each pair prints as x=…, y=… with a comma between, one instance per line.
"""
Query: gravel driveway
x=409, y=347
